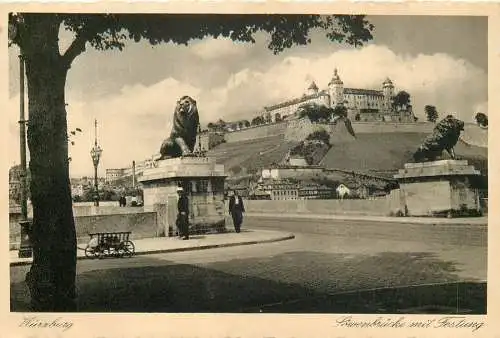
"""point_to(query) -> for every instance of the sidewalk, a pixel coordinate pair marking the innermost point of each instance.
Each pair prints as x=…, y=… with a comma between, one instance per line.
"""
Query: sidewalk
x=197, y=242
x=411, y=220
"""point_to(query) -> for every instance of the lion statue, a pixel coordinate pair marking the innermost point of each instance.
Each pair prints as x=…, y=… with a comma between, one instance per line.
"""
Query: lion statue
x=444, y=137
x=185, y=126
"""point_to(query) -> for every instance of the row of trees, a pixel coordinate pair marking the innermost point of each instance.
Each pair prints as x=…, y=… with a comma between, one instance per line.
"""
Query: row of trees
x=221, y=125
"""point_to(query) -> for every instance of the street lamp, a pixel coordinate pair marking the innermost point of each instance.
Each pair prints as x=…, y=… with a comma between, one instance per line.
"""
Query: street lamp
x=96, y=152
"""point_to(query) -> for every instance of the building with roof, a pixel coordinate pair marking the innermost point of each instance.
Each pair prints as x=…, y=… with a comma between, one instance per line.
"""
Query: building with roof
x=365, y=105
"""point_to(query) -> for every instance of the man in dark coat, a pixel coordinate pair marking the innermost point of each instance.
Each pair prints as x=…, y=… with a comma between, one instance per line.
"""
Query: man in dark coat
x=183, y=214
x=236, y=210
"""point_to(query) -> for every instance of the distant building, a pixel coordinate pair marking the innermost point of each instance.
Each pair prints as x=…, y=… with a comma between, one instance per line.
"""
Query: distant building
x=315, y=191
x=77, y=190
x=362, y=104
x=342, y=191
x=14, y=185
x=114, y=174
x=208, y=140
x=282, y=189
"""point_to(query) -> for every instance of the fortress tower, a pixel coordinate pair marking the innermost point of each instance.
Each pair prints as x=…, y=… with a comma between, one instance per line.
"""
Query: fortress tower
x=388, y=91
x=312, y=89
x=336, y=89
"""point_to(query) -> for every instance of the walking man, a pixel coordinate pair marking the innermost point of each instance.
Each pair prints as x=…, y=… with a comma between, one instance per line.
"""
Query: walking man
x=183, y=214
x=236, y=210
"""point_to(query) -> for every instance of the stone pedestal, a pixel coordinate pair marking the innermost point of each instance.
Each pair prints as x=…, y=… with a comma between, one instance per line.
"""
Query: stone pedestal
x=202, y=180
x=447, y=187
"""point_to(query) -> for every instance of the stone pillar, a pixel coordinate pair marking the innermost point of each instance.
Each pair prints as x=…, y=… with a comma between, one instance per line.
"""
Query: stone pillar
x=160, y=186
x=162, y=226
x=445, y=187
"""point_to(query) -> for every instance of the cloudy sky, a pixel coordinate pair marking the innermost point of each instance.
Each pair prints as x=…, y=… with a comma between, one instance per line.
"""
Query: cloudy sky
x=440, y=61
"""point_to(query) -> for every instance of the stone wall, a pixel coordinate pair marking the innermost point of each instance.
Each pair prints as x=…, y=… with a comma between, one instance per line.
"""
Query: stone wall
x=142, y=225
x=376, y=207
x=299, y=129
x=388, y=127
x=256, y=132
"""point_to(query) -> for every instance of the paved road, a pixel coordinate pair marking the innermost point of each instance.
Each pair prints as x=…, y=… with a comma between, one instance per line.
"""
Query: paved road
x=331, y=266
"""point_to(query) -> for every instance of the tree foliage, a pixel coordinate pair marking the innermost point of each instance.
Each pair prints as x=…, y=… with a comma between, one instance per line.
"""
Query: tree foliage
x=482, y=120
x=340, y=111
x=256, y=121
x=319, y=135
x=431, y=113
x=315, y=112
x=401, y=100
x=112, y=31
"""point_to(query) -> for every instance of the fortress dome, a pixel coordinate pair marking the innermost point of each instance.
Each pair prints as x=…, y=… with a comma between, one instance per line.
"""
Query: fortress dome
x=335, y=79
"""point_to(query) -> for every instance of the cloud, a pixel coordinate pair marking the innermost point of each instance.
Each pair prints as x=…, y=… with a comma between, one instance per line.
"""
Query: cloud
x=210, y=49
x=451, y=84
x=134, y=121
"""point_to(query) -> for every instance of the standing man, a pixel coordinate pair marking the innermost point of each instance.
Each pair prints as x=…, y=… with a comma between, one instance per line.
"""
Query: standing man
x=236, y=210
x=183, y=214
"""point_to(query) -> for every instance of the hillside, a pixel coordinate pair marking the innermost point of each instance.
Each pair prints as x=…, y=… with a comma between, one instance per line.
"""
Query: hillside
x=386, y=153
x=251, y=155
x=379, y=153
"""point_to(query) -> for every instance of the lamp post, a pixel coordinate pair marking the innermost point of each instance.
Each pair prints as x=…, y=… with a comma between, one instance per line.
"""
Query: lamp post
x=25, y=249
x=95, y=153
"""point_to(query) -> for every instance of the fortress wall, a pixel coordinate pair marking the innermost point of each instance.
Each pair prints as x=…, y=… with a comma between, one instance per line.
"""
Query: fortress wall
x=256, y=132
x=387, y=127
x=299, y=129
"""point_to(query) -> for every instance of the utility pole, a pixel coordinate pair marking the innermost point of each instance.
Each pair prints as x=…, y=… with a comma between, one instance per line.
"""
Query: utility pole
x=25, y=249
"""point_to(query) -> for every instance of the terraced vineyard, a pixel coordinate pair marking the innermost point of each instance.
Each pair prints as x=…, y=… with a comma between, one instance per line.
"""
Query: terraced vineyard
x=250, y=156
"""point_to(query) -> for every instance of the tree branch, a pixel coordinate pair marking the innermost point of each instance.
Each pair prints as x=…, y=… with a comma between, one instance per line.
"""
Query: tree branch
x=76, y=48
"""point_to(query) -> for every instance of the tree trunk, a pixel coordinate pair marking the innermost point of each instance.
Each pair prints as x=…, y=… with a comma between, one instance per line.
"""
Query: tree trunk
x=51, y=278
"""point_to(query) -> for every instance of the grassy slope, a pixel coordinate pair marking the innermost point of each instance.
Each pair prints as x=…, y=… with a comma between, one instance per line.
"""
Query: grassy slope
x=381, y=154
x=251, y=155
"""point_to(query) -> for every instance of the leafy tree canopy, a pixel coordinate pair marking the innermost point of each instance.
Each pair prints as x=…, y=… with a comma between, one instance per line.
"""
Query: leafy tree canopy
x=401, y=99
x=481, y=120
x=431, y=113
x=111, y=31
x=315, y=112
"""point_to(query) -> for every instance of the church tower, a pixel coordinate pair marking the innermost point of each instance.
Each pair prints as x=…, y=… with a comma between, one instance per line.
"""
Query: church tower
x=336, y=89
x=388, y=90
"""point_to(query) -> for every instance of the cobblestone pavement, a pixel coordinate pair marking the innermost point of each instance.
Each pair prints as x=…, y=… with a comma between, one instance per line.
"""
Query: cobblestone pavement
x=328, y=267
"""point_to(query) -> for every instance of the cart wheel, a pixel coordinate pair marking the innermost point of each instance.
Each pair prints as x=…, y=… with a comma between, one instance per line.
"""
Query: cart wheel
x=100, y=253
x=90, y=253
x=128, y=248
x=120, y=250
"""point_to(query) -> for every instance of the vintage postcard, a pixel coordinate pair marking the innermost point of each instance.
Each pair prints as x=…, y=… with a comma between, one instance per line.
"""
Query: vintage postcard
x=239, y=169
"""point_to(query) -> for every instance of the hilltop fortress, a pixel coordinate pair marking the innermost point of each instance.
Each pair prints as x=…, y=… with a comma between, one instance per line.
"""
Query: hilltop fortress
x=362, y=104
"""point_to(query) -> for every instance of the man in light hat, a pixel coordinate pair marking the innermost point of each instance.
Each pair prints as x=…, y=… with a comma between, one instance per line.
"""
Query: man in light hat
x=182, y=214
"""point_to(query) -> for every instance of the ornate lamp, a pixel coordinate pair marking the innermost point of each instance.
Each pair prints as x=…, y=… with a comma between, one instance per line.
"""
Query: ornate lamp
x=95, y=153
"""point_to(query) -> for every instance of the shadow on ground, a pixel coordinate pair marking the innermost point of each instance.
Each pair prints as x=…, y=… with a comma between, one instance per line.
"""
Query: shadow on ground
x=300, y=282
